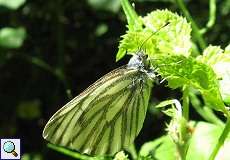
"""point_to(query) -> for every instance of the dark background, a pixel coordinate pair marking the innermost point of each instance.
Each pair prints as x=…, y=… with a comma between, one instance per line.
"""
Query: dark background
x=77, y=41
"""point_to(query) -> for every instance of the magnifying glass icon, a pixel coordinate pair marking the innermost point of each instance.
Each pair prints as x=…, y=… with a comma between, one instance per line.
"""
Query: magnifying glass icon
x=9, y=147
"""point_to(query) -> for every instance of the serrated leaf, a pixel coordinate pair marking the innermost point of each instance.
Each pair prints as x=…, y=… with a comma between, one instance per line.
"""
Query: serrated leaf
x=12, y=4
x=12, y=37
x=173, y=39
x=157, y=37
x=219, y=60
x=204, y=138
x=180, y=71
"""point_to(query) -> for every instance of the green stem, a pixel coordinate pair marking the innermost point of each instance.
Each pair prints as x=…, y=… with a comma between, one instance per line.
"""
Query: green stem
x=45, y=66
x=131, y=15
x=195, y=28
x=212, y=15
x=60, y=69
x=221, y=140
x=186, y=103
x=205, y=112
x=60, y=36
x=132, y=150
x=69, y=152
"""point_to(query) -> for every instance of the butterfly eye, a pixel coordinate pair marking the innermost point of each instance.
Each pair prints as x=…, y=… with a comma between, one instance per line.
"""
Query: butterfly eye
x=145, y=56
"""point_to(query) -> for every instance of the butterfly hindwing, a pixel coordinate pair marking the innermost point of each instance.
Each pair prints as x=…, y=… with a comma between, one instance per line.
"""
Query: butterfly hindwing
x=104, y=118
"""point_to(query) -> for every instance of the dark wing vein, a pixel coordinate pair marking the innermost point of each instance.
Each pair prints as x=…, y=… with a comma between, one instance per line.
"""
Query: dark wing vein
x=106, y=117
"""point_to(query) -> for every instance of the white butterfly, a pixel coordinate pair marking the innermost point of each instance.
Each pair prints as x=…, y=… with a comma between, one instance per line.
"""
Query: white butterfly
x=108, y=115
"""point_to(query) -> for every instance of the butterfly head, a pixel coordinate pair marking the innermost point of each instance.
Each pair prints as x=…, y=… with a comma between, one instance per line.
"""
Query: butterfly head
x=140, y=61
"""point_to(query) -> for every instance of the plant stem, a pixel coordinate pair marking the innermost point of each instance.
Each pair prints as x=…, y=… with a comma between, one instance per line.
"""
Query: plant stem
x=205, y=112
x=60, y=69
x=60, y=35
x=69, y=152
x=186, y=103
x=132, y=150
x=131, y=15
x=212, y=13
x=195, y=28
x=212, y=16
x=45, y=66
x=221, y=140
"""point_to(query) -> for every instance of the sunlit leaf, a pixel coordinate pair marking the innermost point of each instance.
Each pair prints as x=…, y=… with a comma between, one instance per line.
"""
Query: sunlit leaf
x=12, y=4
x=112, y=6
x=180, y=71
x=160, y=149
x=219, y=60
x=204, y=138
x=157, y=37
x=12, y=37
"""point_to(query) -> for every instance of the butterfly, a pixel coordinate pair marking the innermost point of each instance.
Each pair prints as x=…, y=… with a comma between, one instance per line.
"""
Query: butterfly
x=107, y=116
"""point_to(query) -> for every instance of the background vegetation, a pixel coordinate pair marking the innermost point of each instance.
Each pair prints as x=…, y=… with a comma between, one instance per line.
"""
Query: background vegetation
x=51, y=50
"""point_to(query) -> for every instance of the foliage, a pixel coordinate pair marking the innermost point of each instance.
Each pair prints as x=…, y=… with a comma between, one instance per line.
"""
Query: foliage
x=183, y=70
x=47, y=47
x=12, y=4
x=12, y=37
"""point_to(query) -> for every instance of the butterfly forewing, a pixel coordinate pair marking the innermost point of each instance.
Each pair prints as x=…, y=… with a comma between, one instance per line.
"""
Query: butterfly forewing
x=106, y=117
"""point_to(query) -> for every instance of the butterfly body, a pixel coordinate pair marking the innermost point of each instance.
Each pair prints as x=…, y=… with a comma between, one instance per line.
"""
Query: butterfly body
x=108, y=115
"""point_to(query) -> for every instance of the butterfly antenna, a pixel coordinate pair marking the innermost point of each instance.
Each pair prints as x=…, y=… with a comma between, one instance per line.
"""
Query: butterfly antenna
x=153, y=34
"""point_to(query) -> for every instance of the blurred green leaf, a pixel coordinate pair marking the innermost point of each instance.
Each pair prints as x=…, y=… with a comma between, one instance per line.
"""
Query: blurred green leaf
x=225, y=7
x=12, y=37
x=154, y=1
x=29, y=109
x=101, y=29
x=12, y=4
x=112, y=5
x=160, y=149
x=204, y=138
x=31, y=156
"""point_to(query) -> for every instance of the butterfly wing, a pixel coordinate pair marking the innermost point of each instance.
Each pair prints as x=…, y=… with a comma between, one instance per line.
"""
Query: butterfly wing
x=104, y=118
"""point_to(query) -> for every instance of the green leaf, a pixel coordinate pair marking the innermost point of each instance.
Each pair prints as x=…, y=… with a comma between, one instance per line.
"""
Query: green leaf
x=101, y=29
x=172, y=39
x=219, y=60
x=31, y=156
x=106, y=5
x=29, y=109
x=12, y=37
x=225, y=7
x=160, y=149
x=12, y=4
x=204, y=138
x=181, y=70
x=156, y=38
x=121, y=156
